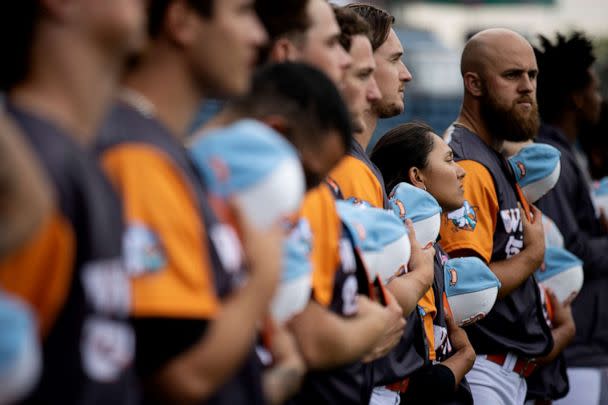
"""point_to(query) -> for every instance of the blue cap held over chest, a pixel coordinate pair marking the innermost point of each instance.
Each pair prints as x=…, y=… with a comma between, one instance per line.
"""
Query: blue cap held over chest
x=536, y=167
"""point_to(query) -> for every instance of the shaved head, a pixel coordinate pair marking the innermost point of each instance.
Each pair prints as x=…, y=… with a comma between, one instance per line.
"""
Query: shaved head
x=492, y=47
x=499, y=70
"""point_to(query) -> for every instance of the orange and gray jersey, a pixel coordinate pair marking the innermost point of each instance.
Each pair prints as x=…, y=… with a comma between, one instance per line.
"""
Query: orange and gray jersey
x=70, y=273
x=181, y=251
x=357, y=178
x=490, y=225
x=338, y=276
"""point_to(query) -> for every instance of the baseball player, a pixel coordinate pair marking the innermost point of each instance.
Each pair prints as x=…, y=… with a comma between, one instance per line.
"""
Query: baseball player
x=59, y=76
x=500, y=104
x=412, y=153
x=568, y=100
x=179, y=242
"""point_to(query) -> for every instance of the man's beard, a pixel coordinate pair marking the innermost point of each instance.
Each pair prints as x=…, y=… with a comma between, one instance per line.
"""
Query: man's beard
x=508, y=124
x=386, y=110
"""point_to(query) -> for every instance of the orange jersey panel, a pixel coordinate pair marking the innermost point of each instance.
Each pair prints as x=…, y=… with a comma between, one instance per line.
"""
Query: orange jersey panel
x=474, y=230
x=319, y=209
x=160, y=203
x=357, y=180
x=40, y=271
x=427, y=303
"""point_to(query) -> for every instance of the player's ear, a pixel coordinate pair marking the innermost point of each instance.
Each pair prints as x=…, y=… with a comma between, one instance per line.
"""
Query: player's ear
x=416, y=177
x=473, y=84
x=283, y=50
x=181, y=23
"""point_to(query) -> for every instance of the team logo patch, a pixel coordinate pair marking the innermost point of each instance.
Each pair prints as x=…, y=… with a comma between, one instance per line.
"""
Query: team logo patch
x=522, y=169
x=143, y=251
x=464, y=218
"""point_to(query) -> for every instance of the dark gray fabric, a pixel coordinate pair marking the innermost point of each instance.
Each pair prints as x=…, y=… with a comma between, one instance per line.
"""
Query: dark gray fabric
x=516, y=323
x=569, y=205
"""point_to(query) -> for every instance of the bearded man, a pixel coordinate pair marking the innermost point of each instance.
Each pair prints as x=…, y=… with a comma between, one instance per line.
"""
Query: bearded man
x=499, y=72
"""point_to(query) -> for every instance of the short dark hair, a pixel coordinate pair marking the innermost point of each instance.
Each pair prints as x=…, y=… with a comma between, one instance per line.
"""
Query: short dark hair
x=17, y=33
x=281, y=18
x=157, y=10
x=594, y=142
x=563, y=68
x=302, y=93
x=351, y=24
x=380, y=22
x=403, y=147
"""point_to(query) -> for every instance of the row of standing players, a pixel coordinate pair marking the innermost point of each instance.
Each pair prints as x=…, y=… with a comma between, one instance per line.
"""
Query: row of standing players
x=198, y=261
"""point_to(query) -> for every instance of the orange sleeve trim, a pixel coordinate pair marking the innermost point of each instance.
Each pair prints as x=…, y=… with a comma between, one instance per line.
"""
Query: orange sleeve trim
x=41, y=271
x=427, y=303
x=472, y=226
x=160, y=206
x=319, y=210
x=356, y=180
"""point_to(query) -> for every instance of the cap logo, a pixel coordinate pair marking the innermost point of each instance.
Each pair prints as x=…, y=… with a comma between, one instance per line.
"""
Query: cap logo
x=522, y=169
x=473, y=319
x=453, y=276
x=220, y=168
x=402, y=211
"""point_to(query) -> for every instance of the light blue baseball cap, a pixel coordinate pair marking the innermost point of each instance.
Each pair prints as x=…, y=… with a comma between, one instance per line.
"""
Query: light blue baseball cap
x=464, y=275
x=20, y=357
x=17, y=326
x=471, y=288
x=380, y=236
x=562, y=272
x=294, y=290
x=600, y=196
x=253, y=163
x=600, y=188
x=536, y=167
x=296, y=252
x=553, y=236
x=420, y=207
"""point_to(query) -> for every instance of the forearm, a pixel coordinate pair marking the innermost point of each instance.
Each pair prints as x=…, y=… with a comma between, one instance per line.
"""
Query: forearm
x=408, y=289
x=200, y=371
x=514, y=271
x=327, y=340
x=280, y=383
x=562, y=336
x=460, y=363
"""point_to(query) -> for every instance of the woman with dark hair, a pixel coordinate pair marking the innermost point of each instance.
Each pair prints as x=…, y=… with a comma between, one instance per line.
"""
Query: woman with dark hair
x=412, y=153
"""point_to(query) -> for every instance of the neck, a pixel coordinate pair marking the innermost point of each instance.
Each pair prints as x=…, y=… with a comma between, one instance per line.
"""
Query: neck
x=174, y=103
x=71, y=82
x=364, y=137
x=567, y=124
x=470, y=118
